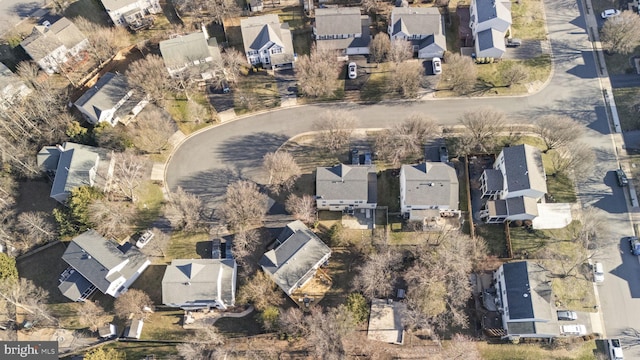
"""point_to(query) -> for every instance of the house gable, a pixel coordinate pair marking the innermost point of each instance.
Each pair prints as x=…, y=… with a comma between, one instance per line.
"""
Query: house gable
x=189, y=50
x=109, y=95
x=350, y=185
x=200, y=283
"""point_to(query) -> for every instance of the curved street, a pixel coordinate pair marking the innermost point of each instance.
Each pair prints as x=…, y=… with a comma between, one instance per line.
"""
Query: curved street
x=208, y=161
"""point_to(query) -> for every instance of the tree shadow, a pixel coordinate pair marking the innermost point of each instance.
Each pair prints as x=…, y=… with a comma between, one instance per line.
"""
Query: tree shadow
x=25, y=9
x=90, y=10
x=203, y=249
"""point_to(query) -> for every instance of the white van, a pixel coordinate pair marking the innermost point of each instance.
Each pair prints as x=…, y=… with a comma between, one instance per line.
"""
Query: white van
x=575, y=330
x=598, y=272
x=615, y=349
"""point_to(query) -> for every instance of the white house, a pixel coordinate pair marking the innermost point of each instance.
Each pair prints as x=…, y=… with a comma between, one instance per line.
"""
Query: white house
x=125, y=12
x=346, y=187
x=297, y=255
x=98, y=263
x=267, y=42
x=52, y=45
x=192, y=51
x=111, y=100
x=430, y=186
x=514, y=186
x=490, y=21
x=200, y=284
x=524, y=301
x=73, y=165
x=12, y=89
x=423, y=27
x=343, y=30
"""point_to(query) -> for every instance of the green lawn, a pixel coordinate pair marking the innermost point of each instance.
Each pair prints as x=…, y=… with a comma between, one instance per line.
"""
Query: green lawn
x=495, y=237
x=44, y=269
x=376, y=89
x=535, y=351
x=164, y=325
x=149, y=202
x=389, y=190
x=341, y=269
x=244, y=326
x=139, y=350
x=189, y=246
x=626, y=101
x=257, y=91
x=528, y=20
x=531, y=242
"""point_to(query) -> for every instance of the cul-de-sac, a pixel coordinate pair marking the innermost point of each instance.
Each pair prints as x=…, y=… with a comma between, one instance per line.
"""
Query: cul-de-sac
x=320, y=179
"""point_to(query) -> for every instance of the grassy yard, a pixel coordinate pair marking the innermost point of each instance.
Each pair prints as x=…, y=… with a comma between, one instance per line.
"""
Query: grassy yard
x=495, y=237
x=626, y=99
x=150, y=200
x=341, y=269
x=189, y=246
x=533, y=351
x=137, y=350
x=376, y=89
x=257, y=91
x=389, y=190
x=528, y=19
x=523, y=241
x=178, y=107
x=91, y=10
x=244, y=326
x=44, y=269
x=164, y=325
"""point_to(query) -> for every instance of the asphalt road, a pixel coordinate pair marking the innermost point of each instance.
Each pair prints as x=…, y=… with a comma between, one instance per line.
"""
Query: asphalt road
x=207, y=162
x=13, y=11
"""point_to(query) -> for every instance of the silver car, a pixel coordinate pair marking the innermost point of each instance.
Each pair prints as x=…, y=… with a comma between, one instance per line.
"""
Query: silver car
x=567, y=315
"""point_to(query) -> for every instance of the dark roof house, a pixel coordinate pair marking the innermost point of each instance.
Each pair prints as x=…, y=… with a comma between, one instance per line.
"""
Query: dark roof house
x=342, y=29
x=428, y=185
x=423, y=27
x=193, y=50
x=346, y=186
x=267, y=41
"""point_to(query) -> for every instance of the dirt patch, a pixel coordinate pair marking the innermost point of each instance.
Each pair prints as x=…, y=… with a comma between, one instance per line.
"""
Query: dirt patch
x=34, y=196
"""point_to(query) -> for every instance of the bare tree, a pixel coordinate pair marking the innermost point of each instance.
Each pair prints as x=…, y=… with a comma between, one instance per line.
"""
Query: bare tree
x=400, y=50
x=133, y=302
x=230, y=66
x=127, y=174
x=111, y=218
x=28, y=71
x=24, y=294
x=199, y=345
x=184, y=211
x=462, y=73
x=406, y=140
x=302, y=208
x=152, y=130
x=483, y=126
x=150, y=76
x=196, y=112
x=621, y=34
x=36, y=228
x=577, y=161
x=557, y=131
x=380, y=45
x=244, y=246
x=260, y=291
x=158, y=246
x=104, y=42
x=335, y=128
x=327, y=331
x=513, y=73
x=460, y=347
x=8, y=191
x=91, y=315
x=318, y=73
x=406, y=79
x=283, y=170
x=292, y=322
x=244, y=207
x=370, y=7
x=377, y=274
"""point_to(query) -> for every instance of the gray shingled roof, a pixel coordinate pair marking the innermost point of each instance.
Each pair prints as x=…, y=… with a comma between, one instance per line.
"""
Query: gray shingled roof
x=529, y=296
x=522, y=205
x=188, y=48
x=259, y=31
x=74, y=286
x=199, y=280
x=490, y=38
x=416, y=21
x=341, y=44
x=298, y=251
x=524, y=169
x=43, y=40
x=93, y=257
x=497, y=208
x=338, y=21
x=494, y=179
x=431, y=183
x=112, y=5
x=76, y=167
x=48, y=158
x=104, y=95
x=491, y=9
x=345, y=182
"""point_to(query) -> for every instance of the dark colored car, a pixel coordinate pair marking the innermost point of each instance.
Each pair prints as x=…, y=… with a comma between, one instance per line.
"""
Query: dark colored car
x=634, y=244
x=622, y=178
x=367, y=158
x=444, y=154
x=513, y=42
x=355, y=157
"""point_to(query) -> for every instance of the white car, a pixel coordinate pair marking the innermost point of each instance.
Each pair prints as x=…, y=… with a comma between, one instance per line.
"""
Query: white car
x=353, y=70
x=598, y=272
x=575, y=330
x=144, y=239
x=437, y=66
x=610, y=13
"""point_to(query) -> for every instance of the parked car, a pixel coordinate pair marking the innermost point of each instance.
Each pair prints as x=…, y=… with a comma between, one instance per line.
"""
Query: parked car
x=437, y=65
x=576, y=330
x=615, y=349
x=513, y=42
x=367, y=158
x=355, y=157
x=353, y=70
x=610, y=13
x=144, y=239
x=444, y=154
x=622, y=178
x=634, y=243
x=598, y=272
x=567, y=315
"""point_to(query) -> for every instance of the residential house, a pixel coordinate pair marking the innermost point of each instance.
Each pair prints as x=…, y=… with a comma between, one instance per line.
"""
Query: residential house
x=346, y=187
x=129, y=12
x=428, y=189
x=297, y=254
x=52, y=45
x=385, y=321
x=514, y=185
x=98, y=263
x=267, y=42
x=12, y=89
x=524, y=300
x=111, y=100
x=423, y=27
x=74, y=165
x=195, y=51
x=200, y=284
x=490, y=20
x=343, y=30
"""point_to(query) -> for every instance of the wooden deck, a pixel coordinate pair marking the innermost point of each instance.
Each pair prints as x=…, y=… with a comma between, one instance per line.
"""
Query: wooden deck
x=313, y=291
